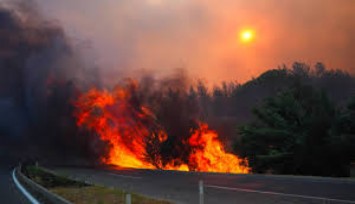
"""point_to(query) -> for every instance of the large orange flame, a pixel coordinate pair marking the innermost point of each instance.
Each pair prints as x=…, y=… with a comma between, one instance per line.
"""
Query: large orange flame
x=126, y=129
x=210, y=155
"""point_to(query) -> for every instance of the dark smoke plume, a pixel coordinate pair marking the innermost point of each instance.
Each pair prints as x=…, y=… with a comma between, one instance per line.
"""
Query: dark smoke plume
x=40, y=74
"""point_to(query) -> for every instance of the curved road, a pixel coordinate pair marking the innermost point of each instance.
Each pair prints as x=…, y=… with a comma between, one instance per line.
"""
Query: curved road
x=9, y=193
x=182, y=187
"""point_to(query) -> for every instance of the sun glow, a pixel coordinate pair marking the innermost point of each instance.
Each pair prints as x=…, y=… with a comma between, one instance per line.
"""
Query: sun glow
x=247, y=36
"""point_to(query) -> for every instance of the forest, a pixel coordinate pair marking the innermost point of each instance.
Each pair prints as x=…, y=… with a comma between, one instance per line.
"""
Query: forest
x=290, y=120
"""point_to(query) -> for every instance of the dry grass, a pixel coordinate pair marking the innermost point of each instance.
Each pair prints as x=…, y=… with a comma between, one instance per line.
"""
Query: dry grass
x=100, y=195
x=81, y=193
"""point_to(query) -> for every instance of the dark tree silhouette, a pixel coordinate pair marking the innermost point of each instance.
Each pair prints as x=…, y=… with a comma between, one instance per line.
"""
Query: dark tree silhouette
x=295, y=133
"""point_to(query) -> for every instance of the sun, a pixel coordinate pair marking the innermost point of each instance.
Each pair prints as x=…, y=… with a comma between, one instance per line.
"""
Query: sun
x=247, y=35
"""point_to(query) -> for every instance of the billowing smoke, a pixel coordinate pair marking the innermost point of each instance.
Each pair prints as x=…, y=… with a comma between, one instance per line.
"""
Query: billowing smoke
x=42, y=77
x=40, y=73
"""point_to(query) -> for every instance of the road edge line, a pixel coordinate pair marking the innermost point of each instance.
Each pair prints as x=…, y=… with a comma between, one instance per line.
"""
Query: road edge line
x=23, y=190
x=280, y=194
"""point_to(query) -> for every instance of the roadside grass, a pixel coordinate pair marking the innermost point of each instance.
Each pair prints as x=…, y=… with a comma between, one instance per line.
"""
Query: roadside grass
x=82, y=193
x=101, y=195
x=49, y=180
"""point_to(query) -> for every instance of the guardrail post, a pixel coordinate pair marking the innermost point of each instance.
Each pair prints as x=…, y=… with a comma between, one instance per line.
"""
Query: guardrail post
x=201, y=192
x=128, y=198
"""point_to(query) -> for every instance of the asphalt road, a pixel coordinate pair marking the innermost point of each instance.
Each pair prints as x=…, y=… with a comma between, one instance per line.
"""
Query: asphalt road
x=9, y=194
x=182, y=187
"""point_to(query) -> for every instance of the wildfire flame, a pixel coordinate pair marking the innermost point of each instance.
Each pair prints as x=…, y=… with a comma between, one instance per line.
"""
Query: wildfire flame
x=127, y=127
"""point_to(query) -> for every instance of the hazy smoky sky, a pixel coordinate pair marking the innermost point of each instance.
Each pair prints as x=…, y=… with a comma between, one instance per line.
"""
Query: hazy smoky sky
x=128, y=36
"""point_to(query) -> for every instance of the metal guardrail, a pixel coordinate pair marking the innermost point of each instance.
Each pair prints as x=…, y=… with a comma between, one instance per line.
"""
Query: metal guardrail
x=43, y=195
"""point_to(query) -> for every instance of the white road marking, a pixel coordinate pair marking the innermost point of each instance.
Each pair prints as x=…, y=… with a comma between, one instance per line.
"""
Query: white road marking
x=280, y=194
x=124, y=176
x=23, y=190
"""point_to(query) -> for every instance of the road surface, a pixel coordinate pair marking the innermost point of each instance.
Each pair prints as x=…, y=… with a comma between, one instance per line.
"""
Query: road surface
x=182, y=187
x=9, y=193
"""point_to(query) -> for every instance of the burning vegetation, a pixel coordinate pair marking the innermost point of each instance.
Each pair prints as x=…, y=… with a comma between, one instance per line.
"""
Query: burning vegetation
x=153, y=129
x=51, y=112
x=132, y=126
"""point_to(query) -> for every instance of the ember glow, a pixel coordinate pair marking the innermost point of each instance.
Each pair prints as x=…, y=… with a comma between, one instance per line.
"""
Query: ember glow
x=130, y=128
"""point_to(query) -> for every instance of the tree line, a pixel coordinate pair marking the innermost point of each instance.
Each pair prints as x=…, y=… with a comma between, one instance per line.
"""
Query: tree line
x=290, y=120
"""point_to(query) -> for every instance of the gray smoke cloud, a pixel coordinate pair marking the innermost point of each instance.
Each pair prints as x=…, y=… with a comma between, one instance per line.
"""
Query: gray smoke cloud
x=40, y=73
